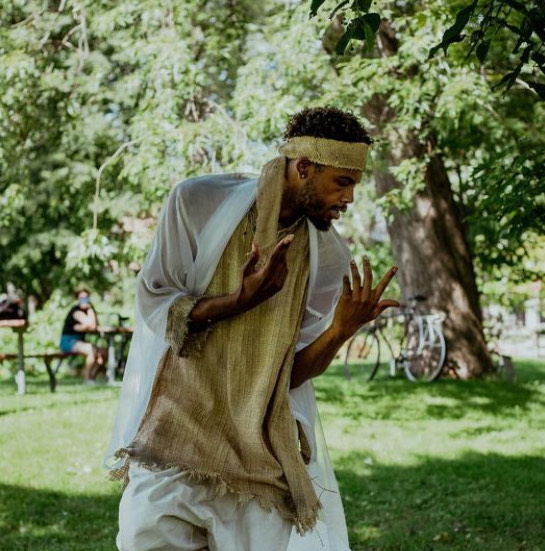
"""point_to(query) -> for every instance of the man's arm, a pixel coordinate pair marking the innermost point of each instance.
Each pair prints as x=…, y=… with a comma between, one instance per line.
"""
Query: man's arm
x=256, y=287
x=357, y=306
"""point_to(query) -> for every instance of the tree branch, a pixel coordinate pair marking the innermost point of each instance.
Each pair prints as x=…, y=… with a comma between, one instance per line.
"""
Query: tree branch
x=99, y=174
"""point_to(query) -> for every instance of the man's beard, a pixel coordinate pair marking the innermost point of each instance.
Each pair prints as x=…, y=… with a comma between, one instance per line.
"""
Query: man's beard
x=310, y=204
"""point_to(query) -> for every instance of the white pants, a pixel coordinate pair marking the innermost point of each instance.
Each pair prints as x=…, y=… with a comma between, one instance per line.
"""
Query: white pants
x=167, y=511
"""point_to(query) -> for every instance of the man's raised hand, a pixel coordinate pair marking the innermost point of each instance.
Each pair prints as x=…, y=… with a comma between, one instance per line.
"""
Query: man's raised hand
x=360, y=303
x=259, y=285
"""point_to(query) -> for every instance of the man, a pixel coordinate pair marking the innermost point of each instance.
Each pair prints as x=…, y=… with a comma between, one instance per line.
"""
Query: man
x=244, y=298
x=81, y=319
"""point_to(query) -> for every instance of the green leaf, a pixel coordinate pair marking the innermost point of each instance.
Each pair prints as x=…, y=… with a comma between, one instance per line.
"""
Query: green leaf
x=369, y=37
x=476, y=35
x=509, y=79
x=454, y=33
x=482, y=50
x=337, y=8
x=358, y=31
x=526, y=28
x=539, y=58
x=344, y=40
x=373, y=20
x=315, y=6
x=525, y=57
x=434, y=50
x=362, y=5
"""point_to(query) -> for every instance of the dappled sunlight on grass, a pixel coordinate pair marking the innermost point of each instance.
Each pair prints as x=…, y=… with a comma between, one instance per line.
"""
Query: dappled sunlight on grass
x=474, y=502
x=451, y=399
x=449, y=465
x=70, y=391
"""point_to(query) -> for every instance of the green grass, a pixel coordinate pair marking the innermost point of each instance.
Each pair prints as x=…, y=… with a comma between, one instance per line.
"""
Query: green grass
x=448, y=466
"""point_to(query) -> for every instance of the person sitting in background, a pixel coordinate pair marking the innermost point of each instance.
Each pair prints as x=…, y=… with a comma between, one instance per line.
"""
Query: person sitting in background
x=81, y=319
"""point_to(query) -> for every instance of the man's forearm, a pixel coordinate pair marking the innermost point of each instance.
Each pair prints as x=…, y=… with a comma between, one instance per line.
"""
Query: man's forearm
x=313, y=360
x=211, y=309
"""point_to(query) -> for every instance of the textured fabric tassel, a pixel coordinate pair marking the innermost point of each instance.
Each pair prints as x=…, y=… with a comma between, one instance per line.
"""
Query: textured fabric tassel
x=269, y=199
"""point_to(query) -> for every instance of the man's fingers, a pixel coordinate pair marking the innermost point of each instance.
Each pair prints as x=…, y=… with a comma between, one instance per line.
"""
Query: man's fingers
x=250, y=265
x=356, y=279
x=383, y=304
x=346, y=285
x=367, y=278
x=383, y=283
x=281, y=249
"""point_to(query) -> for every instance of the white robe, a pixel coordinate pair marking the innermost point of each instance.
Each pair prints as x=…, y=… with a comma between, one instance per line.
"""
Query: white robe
x=194, y=227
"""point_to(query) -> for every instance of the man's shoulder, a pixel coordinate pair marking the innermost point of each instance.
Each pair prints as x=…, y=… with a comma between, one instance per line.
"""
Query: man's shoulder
x=210, y=185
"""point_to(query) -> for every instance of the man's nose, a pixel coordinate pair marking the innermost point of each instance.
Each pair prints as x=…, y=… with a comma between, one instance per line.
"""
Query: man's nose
x=348, y=195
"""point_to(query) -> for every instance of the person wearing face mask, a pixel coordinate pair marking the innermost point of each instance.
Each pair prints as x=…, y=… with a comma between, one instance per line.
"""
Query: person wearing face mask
x=81, y=319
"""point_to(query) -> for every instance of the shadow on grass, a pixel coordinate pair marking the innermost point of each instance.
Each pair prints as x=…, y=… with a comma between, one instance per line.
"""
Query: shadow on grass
x=45, y=520
x=478, y=502
x=443, y=399
x=70, y=390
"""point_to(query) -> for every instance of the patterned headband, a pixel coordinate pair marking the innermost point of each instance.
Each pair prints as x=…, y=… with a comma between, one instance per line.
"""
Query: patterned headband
x=326, y=152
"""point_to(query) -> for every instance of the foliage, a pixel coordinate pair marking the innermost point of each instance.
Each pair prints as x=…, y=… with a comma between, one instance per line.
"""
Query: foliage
x=361, y=25
x=515, y=224
x=103, y=106
x=491, y=22
x=112, y=100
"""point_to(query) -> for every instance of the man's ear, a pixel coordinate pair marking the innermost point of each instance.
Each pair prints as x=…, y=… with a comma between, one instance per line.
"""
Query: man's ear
x=303, y=167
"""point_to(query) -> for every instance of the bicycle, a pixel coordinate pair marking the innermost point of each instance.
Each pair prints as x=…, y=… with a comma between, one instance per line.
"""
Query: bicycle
x=422, y=348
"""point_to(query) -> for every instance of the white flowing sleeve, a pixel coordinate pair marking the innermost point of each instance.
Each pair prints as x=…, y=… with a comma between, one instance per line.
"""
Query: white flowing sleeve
x=168, y=274
x=194, y=226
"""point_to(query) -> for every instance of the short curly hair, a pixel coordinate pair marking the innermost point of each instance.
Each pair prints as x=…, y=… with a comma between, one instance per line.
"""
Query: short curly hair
x=327, y=122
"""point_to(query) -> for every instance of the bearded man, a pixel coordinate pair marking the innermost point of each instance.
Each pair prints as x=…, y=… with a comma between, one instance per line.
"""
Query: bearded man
x=245, y=296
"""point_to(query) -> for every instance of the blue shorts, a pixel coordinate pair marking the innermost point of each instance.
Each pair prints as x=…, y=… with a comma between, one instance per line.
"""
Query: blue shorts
x=68, y=341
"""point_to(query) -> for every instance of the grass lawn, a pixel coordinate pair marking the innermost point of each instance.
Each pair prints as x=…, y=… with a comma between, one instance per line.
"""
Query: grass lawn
x=447, y=466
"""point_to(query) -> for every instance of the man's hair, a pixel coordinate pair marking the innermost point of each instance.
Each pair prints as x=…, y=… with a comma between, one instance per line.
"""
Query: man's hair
x=327, y=122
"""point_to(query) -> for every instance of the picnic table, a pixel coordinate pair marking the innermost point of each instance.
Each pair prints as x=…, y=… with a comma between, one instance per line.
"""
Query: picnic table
x=114, y=356
x=109, y=333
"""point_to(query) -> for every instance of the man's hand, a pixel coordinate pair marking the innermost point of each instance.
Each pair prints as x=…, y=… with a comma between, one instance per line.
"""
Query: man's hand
x=256, y=287
x=259, y=285
x=360, y=303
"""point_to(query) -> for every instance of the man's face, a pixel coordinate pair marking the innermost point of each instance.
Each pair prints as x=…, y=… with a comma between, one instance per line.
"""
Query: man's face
x=326, y=193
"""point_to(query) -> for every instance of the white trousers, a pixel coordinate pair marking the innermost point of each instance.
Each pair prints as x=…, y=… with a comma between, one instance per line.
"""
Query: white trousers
x=167, y=511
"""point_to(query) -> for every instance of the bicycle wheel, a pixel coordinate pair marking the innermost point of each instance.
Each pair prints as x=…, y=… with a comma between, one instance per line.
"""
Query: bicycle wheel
x=362, y=355
x=426, y=350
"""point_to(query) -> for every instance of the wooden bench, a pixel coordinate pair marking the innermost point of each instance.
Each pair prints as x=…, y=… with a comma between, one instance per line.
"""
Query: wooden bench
x=47, y=357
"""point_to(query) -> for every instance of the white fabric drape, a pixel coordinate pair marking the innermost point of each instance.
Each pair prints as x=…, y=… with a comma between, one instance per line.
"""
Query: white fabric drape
x=193, y=229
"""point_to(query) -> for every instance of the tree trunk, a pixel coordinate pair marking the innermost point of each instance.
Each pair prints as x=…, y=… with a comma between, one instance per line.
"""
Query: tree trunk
x=428, y=240
x=431, y=250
